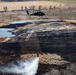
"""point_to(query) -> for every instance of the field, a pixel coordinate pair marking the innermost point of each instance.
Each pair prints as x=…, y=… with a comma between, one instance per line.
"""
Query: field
x=17, y=5
x=64, y=10
x=21, y=15
x=65, y=1
x=9, y=16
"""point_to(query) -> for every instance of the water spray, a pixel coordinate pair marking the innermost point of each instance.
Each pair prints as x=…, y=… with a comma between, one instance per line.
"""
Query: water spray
x=21, y=67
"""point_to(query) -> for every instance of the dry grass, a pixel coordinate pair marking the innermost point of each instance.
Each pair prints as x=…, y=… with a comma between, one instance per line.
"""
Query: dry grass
x=17, y=5
x=70, y=21
x=46, y=58
x=2, y=39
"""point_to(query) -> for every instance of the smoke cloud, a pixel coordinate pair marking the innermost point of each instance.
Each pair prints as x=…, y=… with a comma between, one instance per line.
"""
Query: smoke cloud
x=23, y=67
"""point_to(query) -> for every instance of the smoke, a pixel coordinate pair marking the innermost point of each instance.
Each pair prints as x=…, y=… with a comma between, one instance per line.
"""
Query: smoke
x=52, y=72
x=23, y=67
x=70, y=70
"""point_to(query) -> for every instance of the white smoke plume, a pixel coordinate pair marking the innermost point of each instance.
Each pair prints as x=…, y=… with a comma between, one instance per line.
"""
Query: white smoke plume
x=23, y=67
